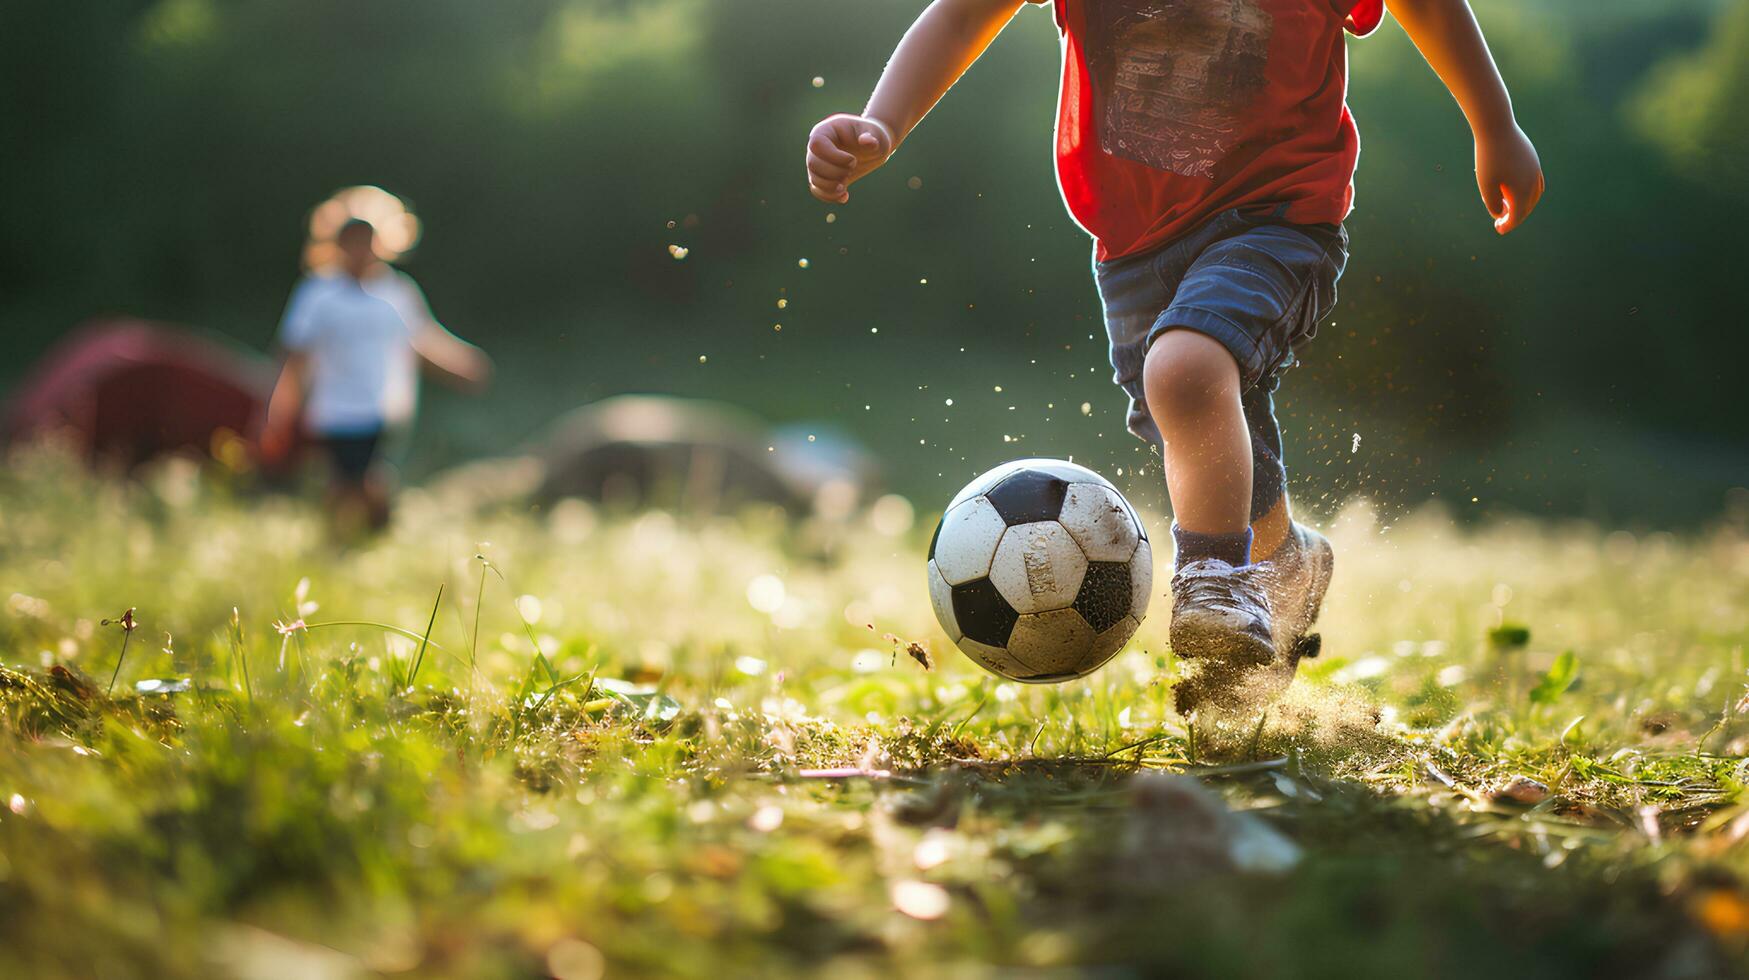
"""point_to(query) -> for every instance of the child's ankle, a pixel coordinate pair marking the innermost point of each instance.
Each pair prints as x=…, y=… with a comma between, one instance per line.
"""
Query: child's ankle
x=1272, y=530
x=1234, y=547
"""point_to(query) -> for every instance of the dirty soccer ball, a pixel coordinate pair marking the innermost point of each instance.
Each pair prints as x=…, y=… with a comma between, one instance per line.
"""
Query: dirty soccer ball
x=1040, y=571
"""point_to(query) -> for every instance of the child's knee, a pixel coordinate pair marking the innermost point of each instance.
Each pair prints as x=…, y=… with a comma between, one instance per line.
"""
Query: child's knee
x=1187, y=374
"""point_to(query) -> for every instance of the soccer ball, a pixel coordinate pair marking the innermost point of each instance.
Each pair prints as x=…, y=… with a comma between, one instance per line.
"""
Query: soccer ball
x=1039, y=571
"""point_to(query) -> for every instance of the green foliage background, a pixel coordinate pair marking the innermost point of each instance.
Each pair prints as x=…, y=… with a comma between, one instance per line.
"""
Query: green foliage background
x=160, y=158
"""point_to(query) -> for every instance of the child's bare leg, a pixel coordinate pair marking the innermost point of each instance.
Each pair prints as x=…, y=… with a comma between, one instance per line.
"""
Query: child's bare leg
x=1193, y=388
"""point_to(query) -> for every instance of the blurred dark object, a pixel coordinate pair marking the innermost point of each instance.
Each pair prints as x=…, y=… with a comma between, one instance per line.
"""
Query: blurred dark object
x=655, y=451
x=125, y=391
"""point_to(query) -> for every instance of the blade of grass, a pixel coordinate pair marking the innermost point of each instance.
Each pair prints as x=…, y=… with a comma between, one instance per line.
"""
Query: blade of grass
x=1150, y=740
x=126, y=635
x=479, y=595
x=409, y=634
x=239, y=655
x=1257, y=735
x=424, y=641
x=975, y=711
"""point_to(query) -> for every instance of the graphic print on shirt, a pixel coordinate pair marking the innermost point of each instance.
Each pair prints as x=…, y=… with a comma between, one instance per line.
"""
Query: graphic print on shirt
x=1172, y=79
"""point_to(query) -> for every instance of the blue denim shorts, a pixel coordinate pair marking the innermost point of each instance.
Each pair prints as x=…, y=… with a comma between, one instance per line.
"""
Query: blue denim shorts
x=1256, y=283
x=1252, y=281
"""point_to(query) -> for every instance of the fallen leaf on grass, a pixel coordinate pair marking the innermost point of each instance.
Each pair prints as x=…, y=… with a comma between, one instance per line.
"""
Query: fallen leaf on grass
x=1179, y=830
x=1521, y=789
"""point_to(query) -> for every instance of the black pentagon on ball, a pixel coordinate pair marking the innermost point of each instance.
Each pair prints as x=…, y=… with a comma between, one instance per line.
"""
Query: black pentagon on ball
x=1105, y=597
x=982, y=613
x=1029, y=496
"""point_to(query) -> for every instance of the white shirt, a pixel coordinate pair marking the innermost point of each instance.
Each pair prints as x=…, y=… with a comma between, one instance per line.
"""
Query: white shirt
x=358, y=336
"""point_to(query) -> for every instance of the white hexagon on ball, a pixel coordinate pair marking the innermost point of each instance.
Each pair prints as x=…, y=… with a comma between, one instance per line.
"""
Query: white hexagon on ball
x=993, y=659
x=1038, y=567
x=1108, y=643
x=967, y=543
x=1141, y=579
x=1053, y=645
x=941, y=597
x=1100, y=523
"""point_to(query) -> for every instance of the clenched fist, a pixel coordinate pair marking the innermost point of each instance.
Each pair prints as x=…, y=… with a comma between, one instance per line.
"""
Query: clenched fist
x=1509, y=176
x=843, y=149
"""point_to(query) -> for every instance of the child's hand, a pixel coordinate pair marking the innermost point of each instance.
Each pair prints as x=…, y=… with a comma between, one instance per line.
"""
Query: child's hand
x=843, y=149
x=1509, y=175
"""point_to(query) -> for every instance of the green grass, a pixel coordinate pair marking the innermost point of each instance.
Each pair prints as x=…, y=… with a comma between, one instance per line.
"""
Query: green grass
x=591, y=757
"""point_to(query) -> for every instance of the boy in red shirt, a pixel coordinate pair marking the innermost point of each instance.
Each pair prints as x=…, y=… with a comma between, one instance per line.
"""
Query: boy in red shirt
x=1207, y=147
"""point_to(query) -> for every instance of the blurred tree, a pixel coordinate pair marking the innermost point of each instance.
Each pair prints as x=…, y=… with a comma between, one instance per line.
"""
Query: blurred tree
x=1692, y=105
x=161, y=155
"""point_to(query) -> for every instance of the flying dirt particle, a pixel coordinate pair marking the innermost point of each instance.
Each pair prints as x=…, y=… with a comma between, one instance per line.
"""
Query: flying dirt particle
x=998, y=389
x=914, y=183
x=819, y=82
x=831, y=216
x=678, y=251
x=702, y=358
x=672, y=224
x=950, y=402
x=777, y=327
x=783, y=304
x=917, y=653
x=810, y=437
x=874, y=329
x=1086, y=408
x=801, y=263
x=1356, y=447
x=923, y=282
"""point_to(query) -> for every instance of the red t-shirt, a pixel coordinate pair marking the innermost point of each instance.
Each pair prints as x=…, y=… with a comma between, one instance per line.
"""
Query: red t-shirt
x=1174, y=110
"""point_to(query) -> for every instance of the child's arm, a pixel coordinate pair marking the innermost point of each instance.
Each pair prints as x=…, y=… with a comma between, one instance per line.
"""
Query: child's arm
x=453, y=359
x=938, y=48
x=1507, y=169
x=285, y=407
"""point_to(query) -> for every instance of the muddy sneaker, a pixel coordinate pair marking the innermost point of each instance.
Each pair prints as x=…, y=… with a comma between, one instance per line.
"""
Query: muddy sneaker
x=1297, y=576
x=1221, y=614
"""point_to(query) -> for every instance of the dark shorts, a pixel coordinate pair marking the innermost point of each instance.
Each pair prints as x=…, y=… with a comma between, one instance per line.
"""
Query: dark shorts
x=352, y=453
x=1255, y=283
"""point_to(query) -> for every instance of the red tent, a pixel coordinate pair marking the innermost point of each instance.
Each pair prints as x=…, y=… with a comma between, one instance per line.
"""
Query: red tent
x=128, y=390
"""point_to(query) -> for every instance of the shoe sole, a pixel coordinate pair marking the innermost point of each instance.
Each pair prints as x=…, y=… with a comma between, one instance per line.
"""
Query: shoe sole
x=1210, y=636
